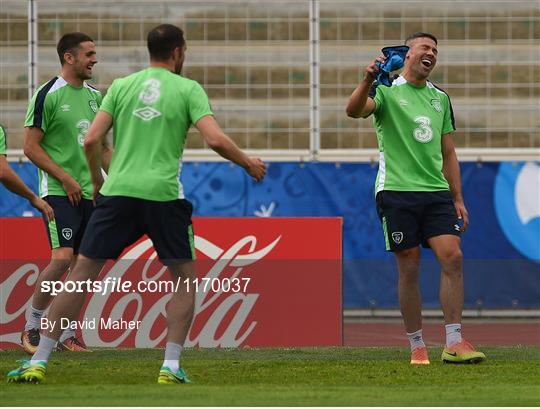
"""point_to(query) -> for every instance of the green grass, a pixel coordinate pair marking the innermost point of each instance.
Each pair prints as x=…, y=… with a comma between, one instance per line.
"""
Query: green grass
x=281, y=377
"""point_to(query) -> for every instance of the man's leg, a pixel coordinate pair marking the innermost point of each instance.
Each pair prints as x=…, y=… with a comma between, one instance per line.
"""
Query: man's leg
x=112, y=227
x=400, y=214
x=182, y=304
x=68, y=340
x=64, y=233
x=169, y=226
x=67, y=305
x=447, y=250
x=410, y=302
x=59, y=264
x=179, y=317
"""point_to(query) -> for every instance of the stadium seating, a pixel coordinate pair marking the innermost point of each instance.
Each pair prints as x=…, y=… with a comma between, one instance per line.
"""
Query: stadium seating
x=254, y=63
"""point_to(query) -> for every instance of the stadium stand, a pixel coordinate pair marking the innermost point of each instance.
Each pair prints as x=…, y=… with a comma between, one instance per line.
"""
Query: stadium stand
x=253, y=60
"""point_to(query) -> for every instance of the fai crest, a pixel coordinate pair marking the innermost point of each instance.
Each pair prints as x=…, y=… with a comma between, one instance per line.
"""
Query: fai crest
x=397, y=236
x=436, y=104
x=93, y=105
x=67, y=233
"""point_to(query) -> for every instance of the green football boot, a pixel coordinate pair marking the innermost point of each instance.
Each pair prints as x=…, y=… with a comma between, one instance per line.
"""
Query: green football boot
x=166, y=376
x=27, y=372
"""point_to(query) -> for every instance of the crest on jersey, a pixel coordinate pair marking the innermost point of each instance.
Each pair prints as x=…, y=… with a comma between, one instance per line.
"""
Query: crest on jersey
x=93, y=105
x=67, y=233
x=436, y=104
x=397, y=236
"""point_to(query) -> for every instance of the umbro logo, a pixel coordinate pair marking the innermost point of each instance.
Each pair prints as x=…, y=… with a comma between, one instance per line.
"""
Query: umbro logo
x=65, y=108
x=146, y=113
x=456, y=227
x=403, y=102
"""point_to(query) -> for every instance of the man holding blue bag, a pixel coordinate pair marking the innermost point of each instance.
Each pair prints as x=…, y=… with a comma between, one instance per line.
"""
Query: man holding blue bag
x=418, y=186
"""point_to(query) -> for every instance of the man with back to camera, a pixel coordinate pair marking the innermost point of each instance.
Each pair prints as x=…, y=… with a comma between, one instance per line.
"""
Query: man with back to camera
x=13, y=182
x=57, y=120
x=418, y=189
x=151, y=111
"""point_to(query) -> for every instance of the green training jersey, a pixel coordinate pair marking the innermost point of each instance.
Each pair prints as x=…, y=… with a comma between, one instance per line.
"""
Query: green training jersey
x=152, y=111
x=3, y=142
x=410, y=122
x=64, y=114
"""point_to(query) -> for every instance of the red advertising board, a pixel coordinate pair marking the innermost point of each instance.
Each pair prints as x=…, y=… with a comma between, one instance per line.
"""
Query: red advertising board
x=261, y=282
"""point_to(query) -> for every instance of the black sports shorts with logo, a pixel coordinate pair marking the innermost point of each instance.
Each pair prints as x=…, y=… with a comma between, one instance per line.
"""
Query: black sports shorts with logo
x=411, y=218
x=67, y=228
x=119, y=221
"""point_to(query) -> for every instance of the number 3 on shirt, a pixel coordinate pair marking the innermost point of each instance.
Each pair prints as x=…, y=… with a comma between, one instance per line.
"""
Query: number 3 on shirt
x=83, y=125
x=423, y=133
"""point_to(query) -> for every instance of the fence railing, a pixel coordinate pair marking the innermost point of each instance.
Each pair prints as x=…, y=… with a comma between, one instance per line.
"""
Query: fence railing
x=279, y=73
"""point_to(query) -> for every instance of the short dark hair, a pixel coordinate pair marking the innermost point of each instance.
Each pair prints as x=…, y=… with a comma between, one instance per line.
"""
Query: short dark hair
x=420, y=35
x=69, y=42
x=163, y=39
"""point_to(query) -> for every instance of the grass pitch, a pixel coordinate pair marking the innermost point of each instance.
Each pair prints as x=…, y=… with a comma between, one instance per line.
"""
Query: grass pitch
x=280, y=377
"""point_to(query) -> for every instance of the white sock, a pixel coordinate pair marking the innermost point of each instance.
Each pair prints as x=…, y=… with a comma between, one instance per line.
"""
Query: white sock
x=172, y=356
x=68, y=333
x=416, y=340
x=45, y=347
x=34, y=319
x=453, y=334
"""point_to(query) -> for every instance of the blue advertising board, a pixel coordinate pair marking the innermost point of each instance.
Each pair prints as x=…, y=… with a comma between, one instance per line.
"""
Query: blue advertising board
x=501, y=247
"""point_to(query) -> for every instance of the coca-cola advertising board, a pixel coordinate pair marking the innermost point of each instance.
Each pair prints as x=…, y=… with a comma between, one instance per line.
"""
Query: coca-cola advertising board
x=261, y=282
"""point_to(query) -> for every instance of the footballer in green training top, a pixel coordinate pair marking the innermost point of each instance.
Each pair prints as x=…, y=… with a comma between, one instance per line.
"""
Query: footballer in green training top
x=418, y=188
x=59, y=115
x=151, y=112
x=13, y=182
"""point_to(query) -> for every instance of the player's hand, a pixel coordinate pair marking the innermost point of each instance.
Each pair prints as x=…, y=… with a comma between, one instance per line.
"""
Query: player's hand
x=97, y=188
x=462, y=214
x=256, y=168
x=72, y=189
x=372, y=69
x=43, y=207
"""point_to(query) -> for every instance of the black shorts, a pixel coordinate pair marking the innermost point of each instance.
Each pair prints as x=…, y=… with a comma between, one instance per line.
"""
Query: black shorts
x=67, y=228
x=411, y=218
x=119, y=221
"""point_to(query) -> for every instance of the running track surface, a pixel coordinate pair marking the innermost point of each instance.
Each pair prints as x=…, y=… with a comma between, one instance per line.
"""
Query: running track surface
x=392, y=333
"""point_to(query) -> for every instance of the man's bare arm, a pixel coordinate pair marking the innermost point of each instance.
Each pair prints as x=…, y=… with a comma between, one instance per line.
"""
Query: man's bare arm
x=40, y=158
x=225, y=147
x=93, y=147
x=452, y=174
x=106, y=156
x=360, y=104
x=14, y=183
